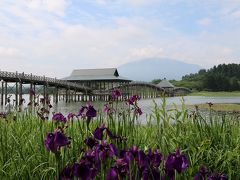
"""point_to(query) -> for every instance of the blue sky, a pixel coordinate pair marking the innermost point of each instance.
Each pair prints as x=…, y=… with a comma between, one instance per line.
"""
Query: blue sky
x=53, y=37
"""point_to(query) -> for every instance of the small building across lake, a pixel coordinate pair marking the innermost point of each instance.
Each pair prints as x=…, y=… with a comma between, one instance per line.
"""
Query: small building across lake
x=167, y=86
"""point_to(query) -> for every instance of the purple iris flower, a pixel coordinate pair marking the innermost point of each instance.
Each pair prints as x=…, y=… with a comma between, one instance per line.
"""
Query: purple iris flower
x=203, y=171
x=90, y=142
x=112, y=174
x=138, y=110
x=217, y=176
x=116, y=93
x=82, y=111
x=70, y=116
x=181, y=161
x=98, y=133
x=105, y=150
x=128, y=156
x=123, y=167
x=198, y=176
x=133, y=99
x=66, y=173
x=59, y=117
x=175, y=161
x=54, y=141
x=156, y=157
x=84, y=170
x=91, y=112
x=143, y=160
x=151, y=174
x=87, y=111
x=106, y=108
x=111, y=135
x=134, y=150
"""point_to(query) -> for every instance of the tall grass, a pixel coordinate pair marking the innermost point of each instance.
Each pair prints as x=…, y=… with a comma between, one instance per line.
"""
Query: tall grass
x=211, y=140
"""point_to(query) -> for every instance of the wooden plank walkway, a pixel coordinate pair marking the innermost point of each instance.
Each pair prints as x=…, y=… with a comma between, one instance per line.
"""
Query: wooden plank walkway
x=42, y=80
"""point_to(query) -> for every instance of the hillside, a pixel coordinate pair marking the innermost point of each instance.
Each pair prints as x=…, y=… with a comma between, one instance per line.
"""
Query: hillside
x=224, y=77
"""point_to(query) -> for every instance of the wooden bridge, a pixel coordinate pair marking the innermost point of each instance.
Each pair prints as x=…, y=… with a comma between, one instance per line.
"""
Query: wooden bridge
x=21, y=78
x=74, y=91
x=141, y=88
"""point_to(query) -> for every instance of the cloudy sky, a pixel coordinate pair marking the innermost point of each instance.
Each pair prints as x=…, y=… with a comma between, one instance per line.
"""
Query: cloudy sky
x=52, y=37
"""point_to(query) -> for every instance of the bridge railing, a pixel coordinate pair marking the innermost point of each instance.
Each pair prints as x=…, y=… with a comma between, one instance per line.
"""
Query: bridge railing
x=30, y=77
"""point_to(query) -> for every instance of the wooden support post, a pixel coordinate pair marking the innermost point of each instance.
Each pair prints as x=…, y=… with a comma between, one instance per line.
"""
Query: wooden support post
x=16, y=95
x=66, y=96
x=20, y=92
x=30, y=92
x=6, y=92
x=34, y=89
x=47, y=93
x=44, y=94
x=56, y=95
x=2, y=92
x=75, y=95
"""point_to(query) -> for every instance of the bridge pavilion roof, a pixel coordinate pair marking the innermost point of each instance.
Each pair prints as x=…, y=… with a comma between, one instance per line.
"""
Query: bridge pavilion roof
x=165, y=84
x=105, y=74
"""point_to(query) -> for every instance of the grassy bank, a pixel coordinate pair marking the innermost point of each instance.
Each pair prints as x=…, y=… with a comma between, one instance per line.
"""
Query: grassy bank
x=220, y=93
x=224, y=107
x=212, y=141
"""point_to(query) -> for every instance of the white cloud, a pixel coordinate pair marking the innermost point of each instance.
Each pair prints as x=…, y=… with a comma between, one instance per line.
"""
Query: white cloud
x=103, y=2
x=227, y=50
x=153, y=2
x=204, y=21
x=236, y=14
x=146, y=52
x=142, y=2
x=7, y=52
x=53, y=6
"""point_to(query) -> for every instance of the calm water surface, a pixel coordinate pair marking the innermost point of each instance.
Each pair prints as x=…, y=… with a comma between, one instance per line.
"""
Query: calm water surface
x=146, y=104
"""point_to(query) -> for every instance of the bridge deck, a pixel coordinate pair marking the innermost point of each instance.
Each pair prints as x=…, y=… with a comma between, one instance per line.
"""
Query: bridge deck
x=42, y=80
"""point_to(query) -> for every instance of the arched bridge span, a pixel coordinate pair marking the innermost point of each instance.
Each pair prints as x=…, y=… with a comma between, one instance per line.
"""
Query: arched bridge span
x=141, y=84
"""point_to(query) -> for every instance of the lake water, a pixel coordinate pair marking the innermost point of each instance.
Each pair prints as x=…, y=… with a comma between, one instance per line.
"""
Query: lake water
x=146, y=104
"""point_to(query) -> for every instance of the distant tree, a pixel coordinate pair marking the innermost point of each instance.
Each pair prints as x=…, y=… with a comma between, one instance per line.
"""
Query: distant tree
x=156, y=81
x=234, y=82
x=202, y=71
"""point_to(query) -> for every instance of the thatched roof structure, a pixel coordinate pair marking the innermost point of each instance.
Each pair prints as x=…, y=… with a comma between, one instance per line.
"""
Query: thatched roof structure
x=106, y=74
x=165, y=84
